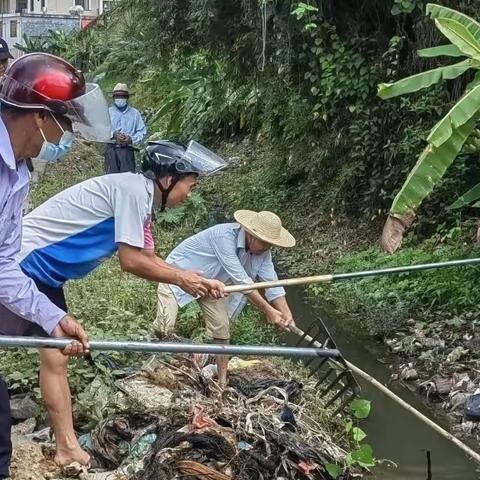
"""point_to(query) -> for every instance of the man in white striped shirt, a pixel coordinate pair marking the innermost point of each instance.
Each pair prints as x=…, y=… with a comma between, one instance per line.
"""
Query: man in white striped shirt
x=234, y=253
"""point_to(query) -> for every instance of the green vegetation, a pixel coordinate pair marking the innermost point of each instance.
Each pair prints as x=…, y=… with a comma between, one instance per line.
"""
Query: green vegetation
x=288, y=90
x=302, y=78
x=385, y=303
x=450, y=134
x=361, y=454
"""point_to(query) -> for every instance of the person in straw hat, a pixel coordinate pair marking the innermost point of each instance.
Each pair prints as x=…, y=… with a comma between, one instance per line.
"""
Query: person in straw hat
x=234, y=253
x=128, y=130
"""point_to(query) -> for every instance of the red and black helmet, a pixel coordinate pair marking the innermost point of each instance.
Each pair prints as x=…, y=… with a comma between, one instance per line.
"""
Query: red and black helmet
x=40, y=81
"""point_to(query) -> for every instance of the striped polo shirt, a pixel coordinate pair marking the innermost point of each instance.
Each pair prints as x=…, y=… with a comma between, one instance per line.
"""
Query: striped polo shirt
x=73, y=232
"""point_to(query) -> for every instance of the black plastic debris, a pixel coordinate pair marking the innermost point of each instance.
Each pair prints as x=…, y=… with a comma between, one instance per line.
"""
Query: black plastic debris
x=472, y=408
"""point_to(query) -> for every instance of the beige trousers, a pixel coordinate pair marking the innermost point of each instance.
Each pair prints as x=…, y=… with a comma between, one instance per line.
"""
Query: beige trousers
x=214, y=312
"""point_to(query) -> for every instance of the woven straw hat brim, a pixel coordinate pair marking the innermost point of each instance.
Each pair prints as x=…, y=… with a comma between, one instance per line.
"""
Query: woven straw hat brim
x=245, y=217
x=121, y=88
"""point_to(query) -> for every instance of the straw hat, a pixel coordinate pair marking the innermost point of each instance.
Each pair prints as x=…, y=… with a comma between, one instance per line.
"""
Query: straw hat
x=266, y=226
x=121, y=88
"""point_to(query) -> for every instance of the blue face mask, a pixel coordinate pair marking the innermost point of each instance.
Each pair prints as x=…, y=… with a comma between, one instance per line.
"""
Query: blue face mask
x=51, y=152
x=121, y=103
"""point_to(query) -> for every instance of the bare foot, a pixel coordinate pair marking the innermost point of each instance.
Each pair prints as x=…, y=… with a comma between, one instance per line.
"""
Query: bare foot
x=65, y=457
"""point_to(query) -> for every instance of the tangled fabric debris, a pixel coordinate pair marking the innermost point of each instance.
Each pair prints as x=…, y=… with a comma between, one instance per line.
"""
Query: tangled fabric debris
x=178, y=424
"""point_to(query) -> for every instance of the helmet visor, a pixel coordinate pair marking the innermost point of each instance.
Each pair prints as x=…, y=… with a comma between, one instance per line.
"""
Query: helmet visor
x=89, y=115
x=203, y=160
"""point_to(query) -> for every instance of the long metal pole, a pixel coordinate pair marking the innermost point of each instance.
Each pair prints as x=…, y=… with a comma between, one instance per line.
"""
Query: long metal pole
x=334, y=277
x=164, y=347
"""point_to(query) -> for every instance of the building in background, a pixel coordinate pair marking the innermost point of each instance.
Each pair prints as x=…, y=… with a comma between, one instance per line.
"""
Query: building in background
x=35, y=18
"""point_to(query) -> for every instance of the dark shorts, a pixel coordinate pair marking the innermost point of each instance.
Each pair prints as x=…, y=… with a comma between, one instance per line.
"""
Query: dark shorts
x=11, y=324
x=5, y=427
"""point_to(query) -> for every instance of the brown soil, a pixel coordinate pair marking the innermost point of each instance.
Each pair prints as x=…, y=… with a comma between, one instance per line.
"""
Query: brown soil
x=29, y=463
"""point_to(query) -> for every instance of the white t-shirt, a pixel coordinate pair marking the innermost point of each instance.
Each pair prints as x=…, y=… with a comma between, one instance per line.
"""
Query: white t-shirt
x=76, y=230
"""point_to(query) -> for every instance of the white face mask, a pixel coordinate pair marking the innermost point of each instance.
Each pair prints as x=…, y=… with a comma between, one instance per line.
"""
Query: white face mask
x=121, y=102
x=52, y=152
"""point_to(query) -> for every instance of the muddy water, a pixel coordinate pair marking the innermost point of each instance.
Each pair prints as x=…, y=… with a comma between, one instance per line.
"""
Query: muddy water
x=394, y=433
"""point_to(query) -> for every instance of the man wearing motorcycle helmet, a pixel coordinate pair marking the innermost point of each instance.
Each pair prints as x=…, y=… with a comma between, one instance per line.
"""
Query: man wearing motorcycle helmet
x=42, y=99
x=76, y=230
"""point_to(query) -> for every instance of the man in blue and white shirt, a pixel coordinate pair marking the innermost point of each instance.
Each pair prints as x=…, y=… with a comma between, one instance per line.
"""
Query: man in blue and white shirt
x=234, y=253
x=128, y=130
x=75, y=231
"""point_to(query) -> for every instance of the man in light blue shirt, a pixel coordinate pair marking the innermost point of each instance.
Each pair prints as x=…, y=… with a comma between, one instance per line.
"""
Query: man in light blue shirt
x=233, y=253
x=128, y=130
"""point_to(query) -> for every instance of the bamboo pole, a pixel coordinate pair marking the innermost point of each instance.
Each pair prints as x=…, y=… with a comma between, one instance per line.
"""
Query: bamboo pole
x=287, y=282
x=349, y=276
x=469, y=451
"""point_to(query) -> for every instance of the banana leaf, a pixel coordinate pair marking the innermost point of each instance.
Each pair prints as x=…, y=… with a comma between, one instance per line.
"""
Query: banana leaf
x=466, y=199
x=460, y=36
x=466, y=108
x=449, y=50
x=429, y=169
x=423, y=80
x=437, y=11
x=474, y=82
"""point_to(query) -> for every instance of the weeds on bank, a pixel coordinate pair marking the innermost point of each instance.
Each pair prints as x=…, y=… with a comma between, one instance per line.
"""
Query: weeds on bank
x=385, y=302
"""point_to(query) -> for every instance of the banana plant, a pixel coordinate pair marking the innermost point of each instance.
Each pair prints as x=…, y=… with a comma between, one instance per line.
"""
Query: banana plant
x=32, y=44
x=452, y=133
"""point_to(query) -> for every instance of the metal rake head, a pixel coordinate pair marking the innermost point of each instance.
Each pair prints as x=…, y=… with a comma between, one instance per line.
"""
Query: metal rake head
x=336, y=382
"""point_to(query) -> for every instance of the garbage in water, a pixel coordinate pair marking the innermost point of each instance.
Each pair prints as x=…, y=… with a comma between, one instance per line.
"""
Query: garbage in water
x=177, y=423
x=472, y=408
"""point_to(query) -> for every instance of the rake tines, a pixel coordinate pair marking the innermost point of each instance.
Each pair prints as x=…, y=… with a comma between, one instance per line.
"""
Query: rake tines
x=335, y=380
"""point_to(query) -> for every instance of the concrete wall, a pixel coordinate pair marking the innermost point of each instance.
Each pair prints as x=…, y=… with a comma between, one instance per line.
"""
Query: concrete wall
x=60, y=7
x=43, y=15
x=38, y=26
x=34, y=26
x=7, y=31
x=7, y=6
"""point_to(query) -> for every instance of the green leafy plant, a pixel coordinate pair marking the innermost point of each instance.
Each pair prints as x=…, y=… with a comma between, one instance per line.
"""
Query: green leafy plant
x=406, y=6
x=32, y=44
x=449, y=135
x=360, y=408
x=306, y=11
x=362, y=453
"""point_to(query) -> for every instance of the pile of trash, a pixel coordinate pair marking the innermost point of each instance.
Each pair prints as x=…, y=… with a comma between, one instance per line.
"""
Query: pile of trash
x=445, y=368
x=175, y=422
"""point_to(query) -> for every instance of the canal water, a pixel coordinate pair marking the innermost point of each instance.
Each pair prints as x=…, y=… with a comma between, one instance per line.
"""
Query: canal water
x=394, y=433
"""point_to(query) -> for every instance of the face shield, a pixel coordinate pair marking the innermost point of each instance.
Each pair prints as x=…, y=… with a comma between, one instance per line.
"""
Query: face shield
x=201, y=160
x=89, y=115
